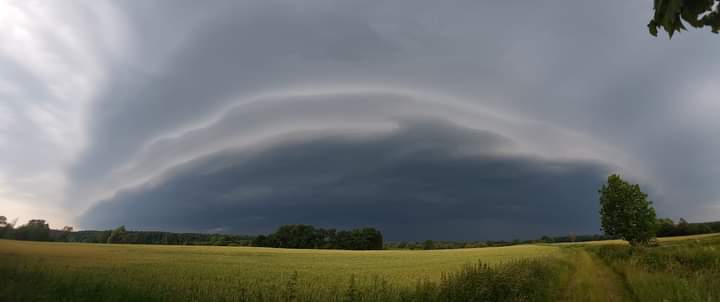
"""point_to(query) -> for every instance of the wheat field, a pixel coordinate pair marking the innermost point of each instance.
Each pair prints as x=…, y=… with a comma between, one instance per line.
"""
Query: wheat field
x=207, y=271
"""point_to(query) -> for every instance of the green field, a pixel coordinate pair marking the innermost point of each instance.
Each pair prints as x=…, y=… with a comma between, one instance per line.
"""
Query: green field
x=166, y=263
x=221, y=271
x=680, y=269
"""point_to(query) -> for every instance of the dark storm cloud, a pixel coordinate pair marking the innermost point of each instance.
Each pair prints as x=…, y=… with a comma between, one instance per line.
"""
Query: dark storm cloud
x=243, y=50
x=415, y=182
x=127, y=90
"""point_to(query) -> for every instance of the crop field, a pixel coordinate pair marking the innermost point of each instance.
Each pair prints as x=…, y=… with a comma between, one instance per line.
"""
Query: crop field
x=217, y=271
x=679, y=269
x=250, y=263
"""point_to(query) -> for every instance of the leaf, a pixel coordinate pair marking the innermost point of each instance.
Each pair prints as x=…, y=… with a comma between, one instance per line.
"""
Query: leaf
x=652, y=26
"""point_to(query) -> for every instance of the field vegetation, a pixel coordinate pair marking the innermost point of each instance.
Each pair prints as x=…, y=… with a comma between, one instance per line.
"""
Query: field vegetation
x=678, y=269
x=306, y=263
x=40, y=270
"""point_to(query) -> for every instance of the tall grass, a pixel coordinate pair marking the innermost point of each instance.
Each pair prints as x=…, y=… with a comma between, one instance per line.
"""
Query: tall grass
x=676, y=271
x=521, y=280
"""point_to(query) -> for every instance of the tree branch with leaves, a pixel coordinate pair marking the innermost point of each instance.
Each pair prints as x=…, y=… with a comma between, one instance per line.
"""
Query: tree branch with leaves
x=671, y=15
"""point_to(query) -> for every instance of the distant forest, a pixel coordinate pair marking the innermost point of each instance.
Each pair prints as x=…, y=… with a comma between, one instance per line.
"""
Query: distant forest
x=39, y=230
x=309, y=237
x=120, y=235
x=304, y=236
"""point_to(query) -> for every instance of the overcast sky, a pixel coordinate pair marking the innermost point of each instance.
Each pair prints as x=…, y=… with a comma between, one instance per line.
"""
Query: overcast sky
x=456, y=119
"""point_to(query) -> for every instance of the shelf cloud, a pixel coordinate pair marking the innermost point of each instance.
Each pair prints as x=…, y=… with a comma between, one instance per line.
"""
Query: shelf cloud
x=422, y=179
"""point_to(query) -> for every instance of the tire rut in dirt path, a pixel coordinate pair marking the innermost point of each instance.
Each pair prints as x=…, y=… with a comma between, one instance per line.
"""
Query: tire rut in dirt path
x=594, y=281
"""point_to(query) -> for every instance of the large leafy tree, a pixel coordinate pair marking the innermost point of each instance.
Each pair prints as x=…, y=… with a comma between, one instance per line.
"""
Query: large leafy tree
x=625, y=211
x=35, y=230
x=116, y=236
x=670, y=14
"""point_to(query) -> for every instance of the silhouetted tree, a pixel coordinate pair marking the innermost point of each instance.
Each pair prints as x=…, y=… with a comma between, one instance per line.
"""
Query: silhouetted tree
x=35, y=230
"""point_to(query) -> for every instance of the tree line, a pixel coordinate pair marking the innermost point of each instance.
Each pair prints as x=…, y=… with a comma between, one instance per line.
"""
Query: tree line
x=287, y=236
x=34, y=230
x=666, y=227
x=121, y=235
x=39, y=230
x=309, y=237
x=625, y=214
x=451, y=244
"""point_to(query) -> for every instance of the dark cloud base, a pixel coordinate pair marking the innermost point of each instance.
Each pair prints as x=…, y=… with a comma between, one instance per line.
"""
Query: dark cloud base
x=416, y=182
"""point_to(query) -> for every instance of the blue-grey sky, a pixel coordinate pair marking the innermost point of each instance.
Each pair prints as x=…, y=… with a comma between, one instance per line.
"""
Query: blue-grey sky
x=450, y=119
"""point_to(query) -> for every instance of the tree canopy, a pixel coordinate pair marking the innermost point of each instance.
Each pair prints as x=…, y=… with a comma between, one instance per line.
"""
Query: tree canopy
x=34, y=230
x=625, y=211
x=309, y=237
x=670, y=14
